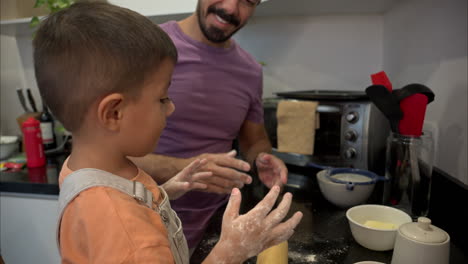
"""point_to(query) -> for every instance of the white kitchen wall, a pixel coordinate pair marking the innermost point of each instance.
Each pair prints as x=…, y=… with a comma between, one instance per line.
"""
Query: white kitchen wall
x=425, y=41
x=17, y=71
x=315, y=52
x=422, y=41
x=12, y=76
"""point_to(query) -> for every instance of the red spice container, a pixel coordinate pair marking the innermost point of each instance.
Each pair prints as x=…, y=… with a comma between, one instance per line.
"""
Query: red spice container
x=35, y=156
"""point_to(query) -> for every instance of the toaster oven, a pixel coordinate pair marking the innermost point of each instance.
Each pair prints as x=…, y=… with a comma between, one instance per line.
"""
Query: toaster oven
x=352, y=131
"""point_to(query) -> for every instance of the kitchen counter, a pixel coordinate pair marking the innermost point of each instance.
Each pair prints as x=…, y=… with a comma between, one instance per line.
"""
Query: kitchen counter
x=34, y=181
x=323, y=236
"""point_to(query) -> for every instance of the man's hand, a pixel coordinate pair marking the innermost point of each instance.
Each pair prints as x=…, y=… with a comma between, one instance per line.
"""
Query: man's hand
x=227, y=172
x=271, y=170
x=244, y=236
x=186, y=180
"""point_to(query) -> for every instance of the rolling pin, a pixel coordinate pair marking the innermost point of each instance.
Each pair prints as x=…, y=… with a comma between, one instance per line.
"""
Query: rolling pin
x=274, y=255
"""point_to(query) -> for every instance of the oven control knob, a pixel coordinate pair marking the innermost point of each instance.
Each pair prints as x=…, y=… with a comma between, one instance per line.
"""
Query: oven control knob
x=352, y=117
x=350, y=135
x=350, y=153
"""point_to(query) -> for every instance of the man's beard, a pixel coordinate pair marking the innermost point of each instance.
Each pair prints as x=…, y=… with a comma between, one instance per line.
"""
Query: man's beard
x=214, y=34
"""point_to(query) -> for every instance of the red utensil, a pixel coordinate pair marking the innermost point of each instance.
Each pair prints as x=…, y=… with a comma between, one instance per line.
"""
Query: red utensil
x=413, y=102
x=381, y=78
x=414, y=111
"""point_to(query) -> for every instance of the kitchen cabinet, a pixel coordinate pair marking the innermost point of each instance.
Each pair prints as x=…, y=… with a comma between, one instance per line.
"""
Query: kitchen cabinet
x=28, y=226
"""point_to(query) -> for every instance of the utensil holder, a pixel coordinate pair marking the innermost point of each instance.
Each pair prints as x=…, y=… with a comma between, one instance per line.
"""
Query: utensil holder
x=408, y=170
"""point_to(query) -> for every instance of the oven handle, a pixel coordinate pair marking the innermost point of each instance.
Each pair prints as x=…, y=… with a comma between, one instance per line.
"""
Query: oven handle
x=328, y=109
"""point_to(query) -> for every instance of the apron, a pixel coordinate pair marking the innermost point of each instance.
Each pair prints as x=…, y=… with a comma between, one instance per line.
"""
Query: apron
x=84, y=179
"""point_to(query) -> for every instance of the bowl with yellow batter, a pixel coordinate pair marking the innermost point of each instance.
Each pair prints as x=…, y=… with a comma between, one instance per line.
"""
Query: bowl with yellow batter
x=375, y=226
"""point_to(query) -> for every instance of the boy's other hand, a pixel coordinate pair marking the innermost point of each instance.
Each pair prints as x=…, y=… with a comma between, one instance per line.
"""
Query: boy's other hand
x=186, y=180
x=244, y=236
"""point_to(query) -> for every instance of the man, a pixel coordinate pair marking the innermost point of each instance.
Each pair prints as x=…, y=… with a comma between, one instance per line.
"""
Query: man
x=217, y=90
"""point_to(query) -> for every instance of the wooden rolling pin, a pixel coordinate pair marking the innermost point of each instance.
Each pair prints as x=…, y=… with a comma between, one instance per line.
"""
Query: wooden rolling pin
x=274, y=255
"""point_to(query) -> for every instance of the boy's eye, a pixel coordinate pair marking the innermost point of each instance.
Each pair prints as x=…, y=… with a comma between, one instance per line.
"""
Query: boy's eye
x=165, y=100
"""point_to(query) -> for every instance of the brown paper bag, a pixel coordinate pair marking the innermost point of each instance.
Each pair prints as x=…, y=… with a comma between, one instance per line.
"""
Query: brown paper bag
x=296, y=126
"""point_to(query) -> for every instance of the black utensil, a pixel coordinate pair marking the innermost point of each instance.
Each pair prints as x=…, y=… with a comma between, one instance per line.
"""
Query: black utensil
x=31, y=100
x=414, y=88
x=387, y=103
x=22, y=100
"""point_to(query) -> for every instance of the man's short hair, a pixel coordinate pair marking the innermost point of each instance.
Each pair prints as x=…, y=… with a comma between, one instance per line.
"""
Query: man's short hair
x=90, y=50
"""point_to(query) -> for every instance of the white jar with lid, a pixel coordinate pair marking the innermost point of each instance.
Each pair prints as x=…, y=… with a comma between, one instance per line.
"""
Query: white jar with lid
x=421, y=243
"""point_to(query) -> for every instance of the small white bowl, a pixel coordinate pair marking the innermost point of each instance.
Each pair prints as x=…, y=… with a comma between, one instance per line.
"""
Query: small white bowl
x=374, y=238
x=339, y=194
x=8, y=145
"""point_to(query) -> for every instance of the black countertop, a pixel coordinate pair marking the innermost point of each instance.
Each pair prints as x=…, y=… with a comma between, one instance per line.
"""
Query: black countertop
x=37, y=181
x=323, y=236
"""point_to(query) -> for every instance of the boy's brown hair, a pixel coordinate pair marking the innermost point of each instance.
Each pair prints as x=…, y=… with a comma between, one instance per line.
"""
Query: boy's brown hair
x=90, y=50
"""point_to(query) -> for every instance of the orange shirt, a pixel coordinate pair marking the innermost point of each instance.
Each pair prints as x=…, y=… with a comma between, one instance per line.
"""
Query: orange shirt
x=104, y=225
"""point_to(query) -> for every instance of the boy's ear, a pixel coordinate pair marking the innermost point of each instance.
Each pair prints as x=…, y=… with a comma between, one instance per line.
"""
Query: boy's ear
x=110, y=111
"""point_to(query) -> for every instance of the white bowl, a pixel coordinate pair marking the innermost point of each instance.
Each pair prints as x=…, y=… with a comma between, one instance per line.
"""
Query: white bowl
x=338, y=193
x=374, y=238
x=8, y=145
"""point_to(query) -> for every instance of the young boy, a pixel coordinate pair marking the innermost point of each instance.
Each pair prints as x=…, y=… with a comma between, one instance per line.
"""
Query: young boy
x=104, y=71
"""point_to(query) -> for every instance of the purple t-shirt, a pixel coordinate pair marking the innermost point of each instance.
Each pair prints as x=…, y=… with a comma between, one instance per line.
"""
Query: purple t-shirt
x=214, y=90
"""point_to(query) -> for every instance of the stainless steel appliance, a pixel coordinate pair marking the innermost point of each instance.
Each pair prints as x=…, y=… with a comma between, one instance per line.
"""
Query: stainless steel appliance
x=352, y=130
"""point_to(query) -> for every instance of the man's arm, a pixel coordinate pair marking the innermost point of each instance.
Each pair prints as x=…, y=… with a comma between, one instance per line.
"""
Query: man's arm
x=160, y=167
x=227, y=172
x=253, y=140
x=255, y=147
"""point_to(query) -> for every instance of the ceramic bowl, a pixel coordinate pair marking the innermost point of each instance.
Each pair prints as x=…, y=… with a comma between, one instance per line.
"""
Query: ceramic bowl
x=379, y=239
x=8, y=145
x=341, y=194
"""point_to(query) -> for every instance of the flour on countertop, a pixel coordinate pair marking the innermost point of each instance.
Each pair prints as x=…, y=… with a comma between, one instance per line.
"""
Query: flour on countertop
x=301, y=257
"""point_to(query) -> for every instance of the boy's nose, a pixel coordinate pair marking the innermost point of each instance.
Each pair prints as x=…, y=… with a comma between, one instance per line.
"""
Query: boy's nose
x=170, y=108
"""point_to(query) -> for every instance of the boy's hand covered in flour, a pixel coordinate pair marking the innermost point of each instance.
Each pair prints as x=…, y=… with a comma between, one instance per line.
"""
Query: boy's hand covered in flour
x=244, y=236
x=187, y=180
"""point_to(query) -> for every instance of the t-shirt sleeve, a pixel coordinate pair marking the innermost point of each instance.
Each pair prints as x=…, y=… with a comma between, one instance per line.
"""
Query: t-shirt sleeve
x=103, y=225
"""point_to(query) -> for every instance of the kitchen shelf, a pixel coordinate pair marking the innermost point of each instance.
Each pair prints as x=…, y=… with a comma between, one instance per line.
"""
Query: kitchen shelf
x=20, y=27
x=17, y=27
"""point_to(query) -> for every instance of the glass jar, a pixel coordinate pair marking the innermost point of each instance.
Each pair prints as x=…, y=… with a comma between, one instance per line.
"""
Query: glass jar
x=408, y=171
